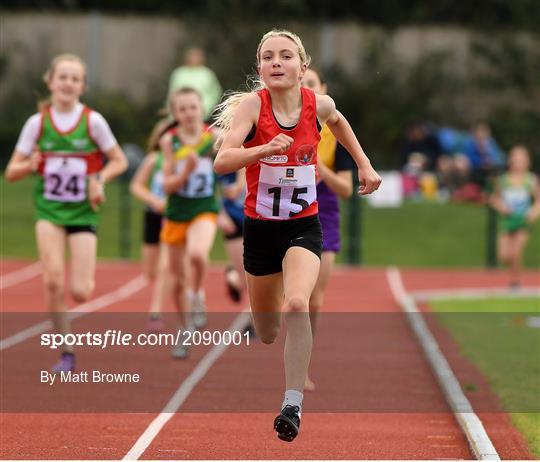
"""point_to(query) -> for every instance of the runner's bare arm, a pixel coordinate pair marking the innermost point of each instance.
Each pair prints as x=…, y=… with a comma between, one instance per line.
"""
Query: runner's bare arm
x=234, y=190
x=231, y=156
x=173, y=181
x=116, y=164
x=340, y=127
x=139, y=184
x=340, y=182
x=20, y=165
x=496, y=201
x=534, y=212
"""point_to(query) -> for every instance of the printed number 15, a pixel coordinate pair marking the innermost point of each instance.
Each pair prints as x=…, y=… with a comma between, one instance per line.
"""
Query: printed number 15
x=294, y=200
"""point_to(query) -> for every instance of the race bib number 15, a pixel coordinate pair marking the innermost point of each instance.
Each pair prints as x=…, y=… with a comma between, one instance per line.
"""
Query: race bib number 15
x=284, y=192
x=65, y=179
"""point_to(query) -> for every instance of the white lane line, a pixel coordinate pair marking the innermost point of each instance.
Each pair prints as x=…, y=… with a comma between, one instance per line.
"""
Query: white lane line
x=481, y=445
x=183, y=391
x=475, y=293
x=20, y=275
x=125, y=291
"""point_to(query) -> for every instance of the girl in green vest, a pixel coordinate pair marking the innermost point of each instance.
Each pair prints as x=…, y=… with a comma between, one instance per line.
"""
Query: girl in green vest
x=64, y=144
x=191, y=213
x=517, y=199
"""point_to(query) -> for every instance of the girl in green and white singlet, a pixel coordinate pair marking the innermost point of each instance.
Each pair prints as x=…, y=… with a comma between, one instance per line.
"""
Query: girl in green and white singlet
x=64, y=143
x=147, y=186
x=517, y=199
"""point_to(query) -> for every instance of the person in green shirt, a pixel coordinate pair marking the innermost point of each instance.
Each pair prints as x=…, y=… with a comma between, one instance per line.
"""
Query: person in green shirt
x=194, y=74
x=517, y=199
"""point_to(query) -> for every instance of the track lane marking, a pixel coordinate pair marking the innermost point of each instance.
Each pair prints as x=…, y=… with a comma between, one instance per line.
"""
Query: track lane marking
x=127, y=290
x=22, y=274
x=475, y=293
x=183, y=392
x=480, y=443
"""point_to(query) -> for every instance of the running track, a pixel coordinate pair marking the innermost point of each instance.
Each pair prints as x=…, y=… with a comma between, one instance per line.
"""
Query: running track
x=370, y=374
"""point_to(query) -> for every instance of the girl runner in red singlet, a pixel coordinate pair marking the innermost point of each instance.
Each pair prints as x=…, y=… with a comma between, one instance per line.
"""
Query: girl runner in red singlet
x=274, y=133
x=64, y=143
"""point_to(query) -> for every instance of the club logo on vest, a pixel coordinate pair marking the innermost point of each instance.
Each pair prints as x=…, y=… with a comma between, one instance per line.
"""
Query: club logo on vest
x=80, y=143
x=304, y=154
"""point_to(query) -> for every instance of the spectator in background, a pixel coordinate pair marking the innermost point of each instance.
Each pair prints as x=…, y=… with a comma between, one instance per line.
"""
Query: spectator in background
x=419, y=159
x=463, y=162
x=483, y=153
x=194, y=74
x=451, y=140
x=420, y=139
x=453, y=167
x=412, y=173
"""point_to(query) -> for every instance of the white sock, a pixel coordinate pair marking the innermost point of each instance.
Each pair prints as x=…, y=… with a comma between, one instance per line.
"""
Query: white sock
x=293, y=398
x=198, y=301
x=189, y=295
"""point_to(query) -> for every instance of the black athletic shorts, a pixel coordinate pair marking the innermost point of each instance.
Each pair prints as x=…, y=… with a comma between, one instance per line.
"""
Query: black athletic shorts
x=152, y=227
x=267, y=241
x=72, y=229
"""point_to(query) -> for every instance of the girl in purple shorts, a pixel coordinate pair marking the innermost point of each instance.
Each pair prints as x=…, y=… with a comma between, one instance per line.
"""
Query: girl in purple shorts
x=335, y=167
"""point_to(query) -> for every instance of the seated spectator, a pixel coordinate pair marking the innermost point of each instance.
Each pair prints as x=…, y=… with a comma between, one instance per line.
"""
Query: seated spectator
x=419, y=139
x=483, y=153
x=412, y=172
x=417, y=182
x=451, y=140
x=453, y=167
x=453, y=172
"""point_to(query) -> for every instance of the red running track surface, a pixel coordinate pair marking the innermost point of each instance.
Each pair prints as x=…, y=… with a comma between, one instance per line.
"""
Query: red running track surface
x=368, y=367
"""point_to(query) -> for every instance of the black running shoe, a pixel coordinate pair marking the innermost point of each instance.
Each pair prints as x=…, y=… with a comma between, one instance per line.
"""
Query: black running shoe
x=251, y=332
x=231, y=275
x=287, y=424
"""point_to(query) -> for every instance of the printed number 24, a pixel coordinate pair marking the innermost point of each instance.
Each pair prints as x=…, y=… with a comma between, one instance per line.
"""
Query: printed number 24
x=294, y=200
x=70, y=186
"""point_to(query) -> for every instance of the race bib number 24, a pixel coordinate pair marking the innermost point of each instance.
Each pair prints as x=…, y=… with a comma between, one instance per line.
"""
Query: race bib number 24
x=65, y=179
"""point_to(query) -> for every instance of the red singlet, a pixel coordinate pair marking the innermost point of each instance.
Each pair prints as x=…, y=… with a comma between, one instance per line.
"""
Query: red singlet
x=283, y=186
